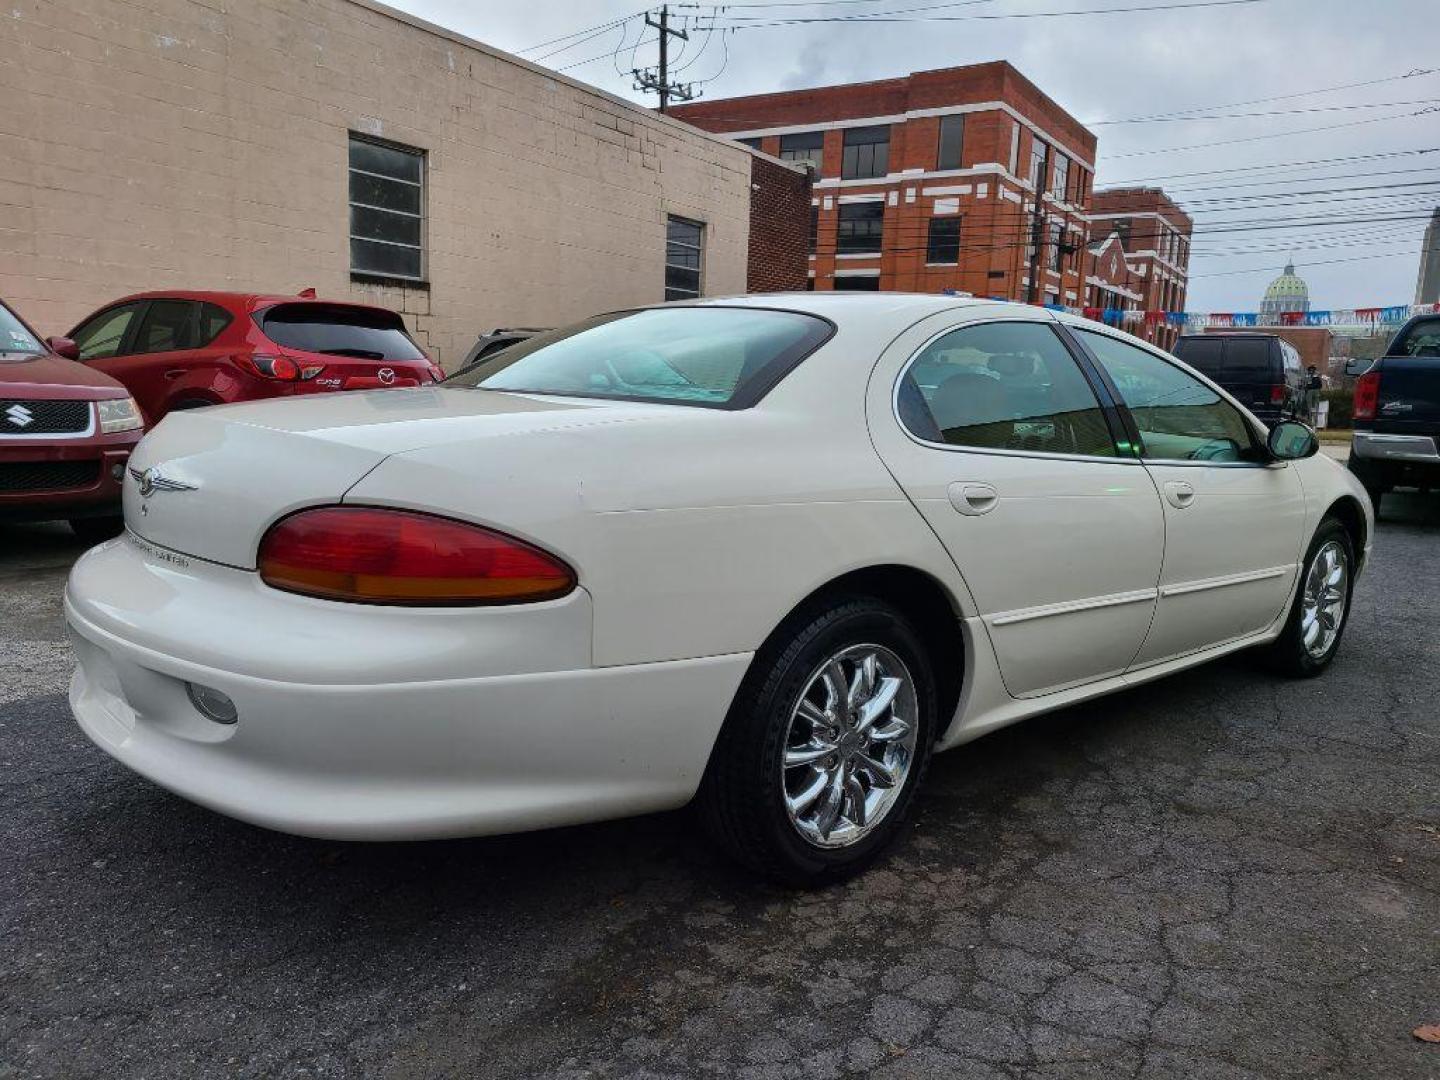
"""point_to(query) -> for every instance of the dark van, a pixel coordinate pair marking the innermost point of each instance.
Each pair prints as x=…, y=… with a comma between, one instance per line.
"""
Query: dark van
x=1263, y=372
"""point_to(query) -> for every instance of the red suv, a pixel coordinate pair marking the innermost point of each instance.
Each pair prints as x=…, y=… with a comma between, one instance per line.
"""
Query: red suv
x=65, y=434
x=182, y=350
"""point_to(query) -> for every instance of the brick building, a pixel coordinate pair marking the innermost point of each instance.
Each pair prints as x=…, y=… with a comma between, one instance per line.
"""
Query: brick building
x=278, y=144
x=965, y=178
x=1154, y=234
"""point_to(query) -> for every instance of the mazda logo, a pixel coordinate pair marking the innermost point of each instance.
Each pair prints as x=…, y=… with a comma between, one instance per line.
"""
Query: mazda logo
x=386, y=375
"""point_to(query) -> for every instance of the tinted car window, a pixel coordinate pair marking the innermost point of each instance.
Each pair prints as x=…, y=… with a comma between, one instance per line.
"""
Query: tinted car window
x=1179, y=417
x=713, y=356
x=1203, y=354
x=1248, y=360
x=14, y=337
x=1421, y=338
x=103, y=334
x=337, y=330
x=213, y=319
x=168, y=325
x=1003, y=386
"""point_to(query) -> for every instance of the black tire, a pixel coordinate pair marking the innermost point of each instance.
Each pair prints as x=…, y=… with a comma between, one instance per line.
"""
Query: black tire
x=742, y=796
x=97, y=530
x=1288, y=653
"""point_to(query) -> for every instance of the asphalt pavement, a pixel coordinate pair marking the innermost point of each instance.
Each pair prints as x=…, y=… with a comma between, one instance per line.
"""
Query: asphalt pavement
x=1221, y=875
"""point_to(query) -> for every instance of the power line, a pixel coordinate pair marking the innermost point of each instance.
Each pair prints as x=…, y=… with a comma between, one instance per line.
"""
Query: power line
x=580, y=33
x=1199, y=117
x=1271, y=135
x=752, y=22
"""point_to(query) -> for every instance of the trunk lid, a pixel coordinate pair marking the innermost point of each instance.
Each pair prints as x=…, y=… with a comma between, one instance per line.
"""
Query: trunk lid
x=218, y=478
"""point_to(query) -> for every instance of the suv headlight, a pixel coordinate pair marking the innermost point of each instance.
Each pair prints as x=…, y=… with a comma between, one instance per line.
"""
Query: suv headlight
x=119, y=414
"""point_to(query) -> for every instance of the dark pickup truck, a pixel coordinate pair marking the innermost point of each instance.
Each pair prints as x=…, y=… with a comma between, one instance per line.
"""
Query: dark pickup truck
x=1397, y=413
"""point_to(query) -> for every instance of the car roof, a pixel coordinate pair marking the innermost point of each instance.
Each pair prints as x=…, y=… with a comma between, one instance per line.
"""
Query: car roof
x=852, y=304
x=243, y=300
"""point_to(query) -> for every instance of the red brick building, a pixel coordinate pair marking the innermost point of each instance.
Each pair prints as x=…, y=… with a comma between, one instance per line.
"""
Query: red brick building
x=1153, y=234
x=963, y=178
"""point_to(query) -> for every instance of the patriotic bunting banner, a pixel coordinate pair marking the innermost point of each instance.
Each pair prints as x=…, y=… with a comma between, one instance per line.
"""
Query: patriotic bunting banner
x=1200, y=320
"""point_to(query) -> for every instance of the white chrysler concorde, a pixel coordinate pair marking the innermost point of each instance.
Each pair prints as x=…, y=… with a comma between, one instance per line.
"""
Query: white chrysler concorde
x=768, y=553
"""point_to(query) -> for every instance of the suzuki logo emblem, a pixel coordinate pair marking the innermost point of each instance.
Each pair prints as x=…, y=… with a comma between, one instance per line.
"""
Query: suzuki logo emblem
x=386, y=375
x=19, y=415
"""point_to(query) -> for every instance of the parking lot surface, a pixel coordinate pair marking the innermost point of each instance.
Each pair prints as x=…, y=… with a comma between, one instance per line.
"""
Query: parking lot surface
x=1223, y=874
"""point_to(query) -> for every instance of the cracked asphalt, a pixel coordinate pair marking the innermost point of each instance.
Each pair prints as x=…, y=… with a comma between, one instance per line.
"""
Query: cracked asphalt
x=1221, y=875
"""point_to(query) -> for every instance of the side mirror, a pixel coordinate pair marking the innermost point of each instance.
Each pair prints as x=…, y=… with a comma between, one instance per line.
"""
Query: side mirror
x=1291, y=440
x=1356, y=366
x=63, y=346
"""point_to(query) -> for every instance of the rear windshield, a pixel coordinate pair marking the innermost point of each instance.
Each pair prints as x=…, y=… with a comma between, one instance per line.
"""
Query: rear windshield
x=1203, y=354
x=1248, y=360
x=723, y=358
x=1421, y=338
x=336, y=330
x=14, y=338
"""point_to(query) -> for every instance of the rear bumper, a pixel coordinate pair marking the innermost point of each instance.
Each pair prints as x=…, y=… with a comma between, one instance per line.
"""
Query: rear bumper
x=404, y=747
x=97, y=495
x=1382, y=447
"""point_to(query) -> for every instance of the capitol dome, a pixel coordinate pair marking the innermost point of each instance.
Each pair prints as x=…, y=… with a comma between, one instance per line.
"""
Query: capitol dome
x=1288, y=292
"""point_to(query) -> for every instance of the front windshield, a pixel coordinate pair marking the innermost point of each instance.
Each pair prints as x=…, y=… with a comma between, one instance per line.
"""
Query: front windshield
x=14, y=337
x=716, y=357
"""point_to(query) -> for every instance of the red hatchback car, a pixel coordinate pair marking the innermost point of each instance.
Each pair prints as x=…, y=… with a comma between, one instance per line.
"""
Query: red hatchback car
x=65, y=435
x=183, y=350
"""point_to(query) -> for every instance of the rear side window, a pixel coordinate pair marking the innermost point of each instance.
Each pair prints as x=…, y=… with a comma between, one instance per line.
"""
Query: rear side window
x=723, y=358
x=338, y=330
x=1249, y=360
x=1421, y=338
x=168, y=325
x=1003, y=386
x=1203, y=354
x=213, y=319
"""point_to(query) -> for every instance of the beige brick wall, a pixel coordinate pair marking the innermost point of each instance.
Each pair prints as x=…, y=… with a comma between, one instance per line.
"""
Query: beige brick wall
x=148, y=144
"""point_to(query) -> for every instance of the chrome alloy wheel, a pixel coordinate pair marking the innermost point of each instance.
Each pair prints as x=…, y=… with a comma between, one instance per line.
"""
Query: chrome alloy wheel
x=849, y=745
x=1322, y=607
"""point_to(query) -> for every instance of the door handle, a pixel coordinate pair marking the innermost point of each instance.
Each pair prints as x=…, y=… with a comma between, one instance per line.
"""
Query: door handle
x=1179, y=494
x=972, y=499
x=175, y=373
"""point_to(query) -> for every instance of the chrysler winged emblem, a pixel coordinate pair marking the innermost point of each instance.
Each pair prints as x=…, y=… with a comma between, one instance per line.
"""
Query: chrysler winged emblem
x=152, y=480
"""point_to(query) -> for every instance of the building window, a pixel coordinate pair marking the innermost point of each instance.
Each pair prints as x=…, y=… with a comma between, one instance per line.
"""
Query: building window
x=943, y=244
x=1060, y=181
x=952, y=138
x=1037, y=165
x=867, y=152
x=1052, y=247
x=806, y=146
x=860, y=228
x=387, y=207
x=814, y=227
x=684, y=251
x=1122, y=230
x=858, y=284
x=753, y=143
x=1014, y=149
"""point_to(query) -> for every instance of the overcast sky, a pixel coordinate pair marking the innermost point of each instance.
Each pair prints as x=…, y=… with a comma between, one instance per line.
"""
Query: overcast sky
x=1112, y=67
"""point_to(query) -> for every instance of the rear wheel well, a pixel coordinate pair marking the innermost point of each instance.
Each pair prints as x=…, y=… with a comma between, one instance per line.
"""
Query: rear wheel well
x=922, y=600
x=1348, y=512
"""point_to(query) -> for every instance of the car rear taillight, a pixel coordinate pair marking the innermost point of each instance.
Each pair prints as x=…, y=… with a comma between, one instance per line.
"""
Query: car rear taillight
x=274, y=367
x=379, y=556
x=1277, y=394
x=1367, y=395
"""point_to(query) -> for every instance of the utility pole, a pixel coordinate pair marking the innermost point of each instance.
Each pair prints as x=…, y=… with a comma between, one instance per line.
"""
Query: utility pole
x=658, y=81
x=1037, y=229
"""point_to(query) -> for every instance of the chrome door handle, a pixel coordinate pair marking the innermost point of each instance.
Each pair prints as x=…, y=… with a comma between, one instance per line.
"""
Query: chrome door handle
x=972, y=499
x=1179, y=494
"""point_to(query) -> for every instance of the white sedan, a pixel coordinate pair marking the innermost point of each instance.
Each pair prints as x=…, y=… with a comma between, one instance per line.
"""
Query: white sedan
x=768, y=553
